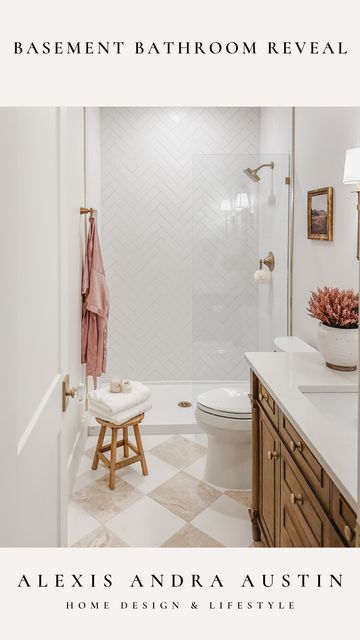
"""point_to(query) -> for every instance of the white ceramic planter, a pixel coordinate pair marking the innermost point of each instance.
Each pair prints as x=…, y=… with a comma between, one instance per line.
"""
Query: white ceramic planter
x=338, y=347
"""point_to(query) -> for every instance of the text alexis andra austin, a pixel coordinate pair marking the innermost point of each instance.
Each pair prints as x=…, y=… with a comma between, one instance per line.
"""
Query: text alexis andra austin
x=81, y=585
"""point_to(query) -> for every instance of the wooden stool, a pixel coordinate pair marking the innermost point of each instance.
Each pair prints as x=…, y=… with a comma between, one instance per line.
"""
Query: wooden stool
x=112, y=464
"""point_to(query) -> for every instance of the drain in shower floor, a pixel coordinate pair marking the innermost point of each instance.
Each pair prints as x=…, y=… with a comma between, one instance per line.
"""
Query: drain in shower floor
x=184, y=404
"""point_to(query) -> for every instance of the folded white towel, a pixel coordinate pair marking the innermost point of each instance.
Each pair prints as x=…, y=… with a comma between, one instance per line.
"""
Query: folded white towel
x=113, y=403
x=120, y=417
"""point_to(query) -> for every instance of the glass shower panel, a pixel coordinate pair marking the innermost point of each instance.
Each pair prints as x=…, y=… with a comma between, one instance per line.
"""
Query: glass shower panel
x=235, y=221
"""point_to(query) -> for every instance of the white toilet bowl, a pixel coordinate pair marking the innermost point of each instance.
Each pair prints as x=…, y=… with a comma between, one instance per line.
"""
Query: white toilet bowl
x=224, y=414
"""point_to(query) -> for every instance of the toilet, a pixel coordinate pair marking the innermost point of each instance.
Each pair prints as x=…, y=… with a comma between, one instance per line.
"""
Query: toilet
x=224, y=414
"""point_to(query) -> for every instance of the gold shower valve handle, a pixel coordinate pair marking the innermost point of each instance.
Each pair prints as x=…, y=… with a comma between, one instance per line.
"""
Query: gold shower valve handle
x=269, y=261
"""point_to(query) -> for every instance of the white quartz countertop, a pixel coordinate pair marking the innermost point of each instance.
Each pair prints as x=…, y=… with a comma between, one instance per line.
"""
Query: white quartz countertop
x=330, y=433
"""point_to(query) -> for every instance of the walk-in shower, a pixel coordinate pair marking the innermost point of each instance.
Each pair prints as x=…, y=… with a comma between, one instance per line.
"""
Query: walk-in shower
x=182, y=230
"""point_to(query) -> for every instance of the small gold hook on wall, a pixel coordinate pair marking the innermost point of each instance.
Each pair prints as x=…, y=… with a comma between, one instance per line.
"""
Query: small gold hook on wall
x=85, y=210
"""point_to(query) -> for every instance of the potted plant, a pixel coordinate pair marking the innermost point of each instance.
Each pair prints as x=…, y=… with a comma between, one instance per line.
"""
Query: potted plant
x=338, y=312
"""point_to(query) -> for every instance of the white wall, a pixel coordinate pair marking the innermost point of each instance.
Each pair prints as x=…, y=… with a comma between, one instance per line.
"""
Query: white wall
x=322, y=137
x=147, y=235
x=275, y=144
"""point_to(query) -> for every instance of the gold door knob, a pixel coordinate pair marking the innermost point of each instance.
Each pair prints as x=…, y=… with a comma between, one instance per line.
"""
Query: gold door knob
x=272, y=455
x=295, y=446
x=348, y=533
x=296, y=499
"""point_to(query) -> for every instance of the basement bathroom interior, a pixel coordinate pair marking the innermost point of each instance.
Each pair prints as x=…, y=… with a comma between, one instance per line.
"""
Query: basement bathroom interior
x=197, y=381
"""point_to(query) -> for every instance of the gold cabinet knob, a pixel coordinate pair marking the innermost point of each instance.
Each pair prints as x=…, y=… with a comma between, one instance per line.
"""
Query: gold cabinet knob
x=272, y=455
x=296, y=499
x=260, y=396
x=348, y=533
x=295, y=446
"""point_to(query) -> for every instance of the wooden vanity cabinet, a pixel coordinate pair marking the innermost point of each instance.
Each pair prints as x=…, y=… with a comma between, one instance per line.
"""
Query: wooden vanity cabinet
x=294, y=503
x=269, y=479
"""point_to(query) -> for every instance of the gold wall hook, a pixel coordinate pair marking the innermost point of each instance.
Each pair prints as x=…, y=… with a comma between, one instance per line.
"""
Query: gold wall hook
x=270, y=261
x=85, y=210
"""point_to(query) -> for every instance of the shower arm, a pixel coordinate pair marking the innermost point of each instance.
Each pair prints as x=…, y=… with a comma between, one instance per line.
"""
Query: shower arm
x=266, y=164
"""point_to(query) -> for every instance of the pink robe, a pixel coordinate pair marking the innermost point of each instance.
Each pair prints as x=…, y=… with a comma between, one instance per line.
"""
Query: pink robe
x=95, y=308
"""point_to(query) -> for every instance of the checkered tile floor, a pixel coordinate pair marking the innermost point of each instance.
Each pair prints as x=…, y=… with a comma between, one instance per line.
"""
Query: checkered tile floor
x=171, y=507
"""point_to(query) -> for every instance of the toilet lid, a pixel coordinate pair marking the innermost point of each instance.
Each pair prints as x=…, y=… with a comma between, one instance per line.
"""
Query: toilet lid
x=232, y=400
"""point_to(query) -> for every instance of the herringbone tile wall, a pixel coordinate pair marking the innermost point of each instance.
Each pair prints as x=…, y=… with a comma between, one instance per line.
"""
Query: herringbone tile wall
x=183, y=301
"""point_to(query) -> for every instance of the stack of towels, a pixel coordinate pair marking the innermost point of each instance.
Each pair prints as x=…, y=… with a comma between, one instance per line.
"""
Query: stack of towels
x=119, y=407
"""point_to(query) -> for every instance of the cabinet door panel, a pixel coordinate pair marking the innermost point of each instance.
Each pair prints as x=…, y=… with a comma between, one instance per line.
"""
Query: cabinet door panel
x=268, y=404
x=309, y=518
x=314, y=473
x=269, y=464
x=343, y=516
x=291, y=534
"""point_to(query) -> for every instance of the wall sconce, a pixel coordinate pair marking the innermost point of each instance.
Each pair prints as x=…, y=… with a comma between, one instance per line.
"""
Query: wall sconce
x=352, y=176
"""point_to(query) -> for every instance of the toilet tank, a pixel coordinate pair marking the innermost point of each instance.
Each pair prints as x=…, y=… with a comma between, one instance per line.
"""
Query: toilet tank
x=291, y=343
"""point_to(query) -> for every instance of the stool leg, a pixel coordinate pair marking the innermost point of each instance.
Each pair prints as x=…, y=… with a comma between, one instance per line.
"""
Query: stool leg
x=140, y=449
x=113, y=458
x=126, y=446
x=98, y=446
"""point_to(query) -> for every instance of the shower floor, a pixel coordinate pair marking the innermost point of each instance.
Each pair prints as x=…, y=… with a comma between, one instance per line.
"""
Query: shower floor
x=166, y=416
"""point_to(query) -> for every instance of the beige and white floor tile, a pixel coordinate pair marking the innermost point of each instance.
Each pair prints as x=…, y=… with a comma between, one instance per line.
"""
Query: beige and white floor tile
x=197, y=470
x=190, y=536
x=91, y=444
x=101, y=537
x=243, y=497
x=179, y=451
x=80, y=523
x=226, y=520
x=185, y=496
x=102, y=503
x=159, y=472
x=198, y=438
x=145, y=524
x=151, y=441
x=86, y=475
x=85, y=465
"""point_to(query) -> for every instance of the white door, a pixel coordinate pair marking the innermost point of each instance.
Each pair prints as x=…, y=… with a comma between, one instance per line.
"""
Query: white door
x=42, y=168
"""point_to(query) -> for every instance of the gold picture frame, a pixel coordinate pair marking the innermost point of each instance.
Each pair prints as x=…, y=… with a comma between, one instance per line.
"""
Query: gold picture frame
x=320, y=214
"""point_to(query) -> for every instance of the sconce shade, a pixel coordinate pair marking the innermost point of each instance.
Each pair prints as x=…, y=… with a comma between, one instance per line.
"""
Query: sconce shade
x=225, y=205
x=352, y=166
x=241, y=201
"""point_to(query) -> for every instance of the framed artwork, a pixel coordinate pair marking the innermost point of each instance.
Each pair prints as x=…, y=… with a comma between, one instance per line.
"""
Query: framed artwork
x=320, y=214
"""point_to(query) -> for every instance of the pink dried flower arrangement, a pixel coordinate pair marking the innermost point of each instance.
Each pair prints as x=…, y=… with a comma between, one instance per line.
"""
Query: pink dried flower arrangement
x=335, y=307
